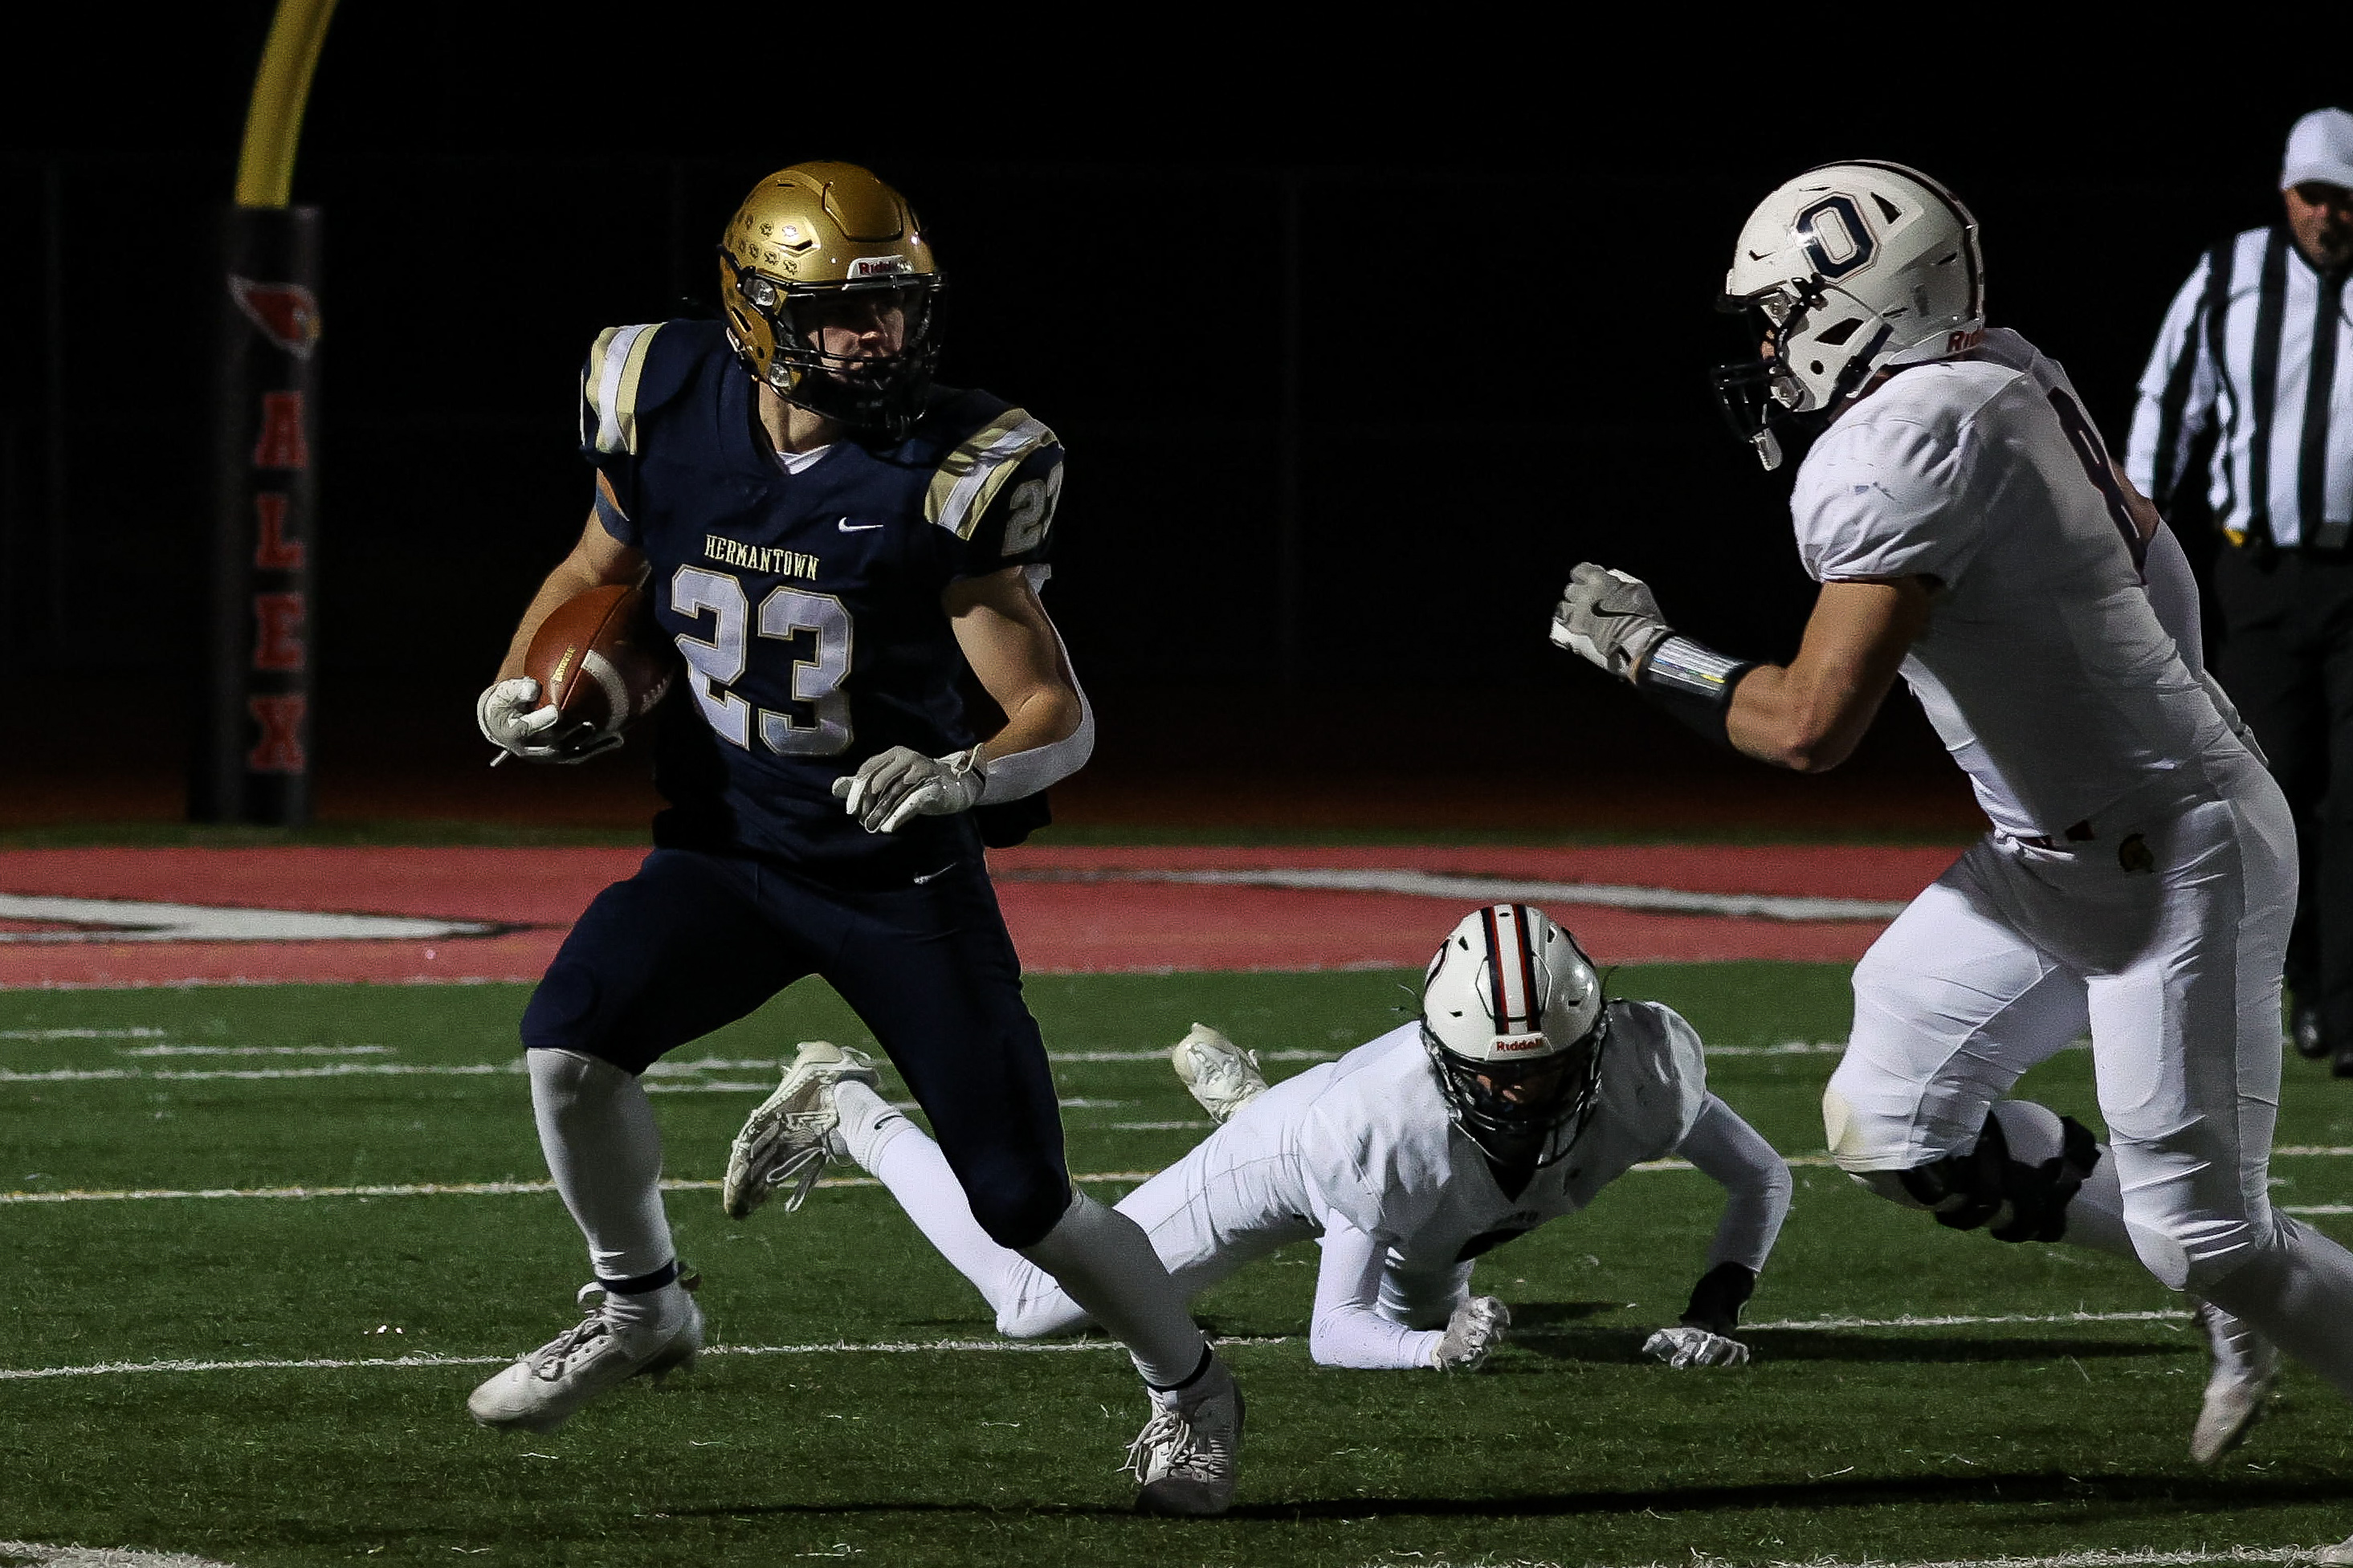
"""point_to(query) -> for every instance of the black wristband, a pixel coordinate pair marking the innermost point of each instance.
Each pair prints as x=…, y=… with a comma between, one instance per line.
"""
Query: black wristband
x=1695, y=683
x=1716, y=1299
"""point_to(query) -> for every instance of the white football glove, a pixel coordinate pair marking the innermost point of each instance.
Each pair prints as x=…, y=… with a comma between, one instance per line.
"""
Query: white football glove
x=514, y=720
x=891, y=788
x=1471, y=1334
x=1608, y=617
x=1685, y=1346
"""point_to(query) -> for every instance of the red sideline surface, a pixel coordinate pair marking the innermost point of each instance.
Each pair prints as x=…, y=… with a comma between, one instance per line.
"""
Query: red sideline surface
x=1085, y=927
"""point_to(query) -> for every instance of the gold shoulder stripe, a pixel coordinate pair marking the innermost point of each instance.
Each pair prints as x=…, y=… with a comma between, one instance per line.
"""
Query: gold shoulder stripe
x=970, y=476
x=609, y=386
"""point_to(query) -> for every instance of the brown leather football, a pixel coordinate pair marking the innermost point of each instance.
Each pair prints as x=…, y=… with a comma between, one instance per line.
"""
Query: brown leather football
x=601, y=659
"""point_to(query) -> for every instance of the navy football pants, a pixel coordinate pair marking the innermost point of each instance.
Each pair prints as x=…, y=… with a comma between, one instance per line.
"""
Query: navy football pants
x=695, y=940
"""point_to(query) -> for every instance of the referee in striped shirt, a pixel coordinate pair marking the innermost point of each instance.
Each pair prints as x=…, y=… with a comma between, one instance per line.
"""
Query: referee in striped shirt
x=2246, y=414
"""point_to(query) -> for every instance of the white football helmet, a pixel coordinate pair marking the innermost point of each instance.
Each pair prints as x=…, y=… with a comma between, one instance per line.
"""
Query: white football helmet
x=1512, y=1017
x=1850, y=268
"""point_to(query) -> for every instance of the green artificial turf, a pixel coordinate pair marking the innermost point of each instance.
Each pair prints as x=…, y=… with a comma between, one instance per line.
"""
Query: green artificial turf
x=1891, y=1443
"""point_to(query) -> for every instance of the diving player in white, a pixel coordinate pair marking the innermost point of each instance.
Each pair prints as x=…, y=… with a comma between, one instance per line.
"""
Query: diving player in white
x=1970, y=532
x=1519, y=1094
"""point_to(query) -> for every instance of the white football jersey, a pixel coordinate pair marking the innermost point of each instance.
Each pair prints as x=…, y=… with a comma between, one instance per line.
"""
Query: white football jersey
x=1368, y=1136
x=2043, y=668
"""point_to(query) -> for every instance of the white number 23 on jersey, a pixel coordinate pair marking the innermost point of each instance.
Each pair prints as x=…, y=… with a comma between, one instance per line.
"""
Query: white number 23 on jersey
x=716, y=664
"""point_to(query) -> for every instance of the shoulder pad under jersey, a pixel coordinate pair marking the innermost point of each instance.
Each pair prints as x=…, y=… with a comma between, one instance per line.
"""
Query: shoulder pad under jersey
x=976, y=467
x=625, y=379
x=1659, y=1061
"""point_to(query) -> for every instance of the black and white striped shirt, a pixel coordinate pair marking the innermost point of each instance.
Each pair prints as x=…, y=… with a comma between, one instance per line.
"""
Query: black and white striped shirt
x=2258, y=349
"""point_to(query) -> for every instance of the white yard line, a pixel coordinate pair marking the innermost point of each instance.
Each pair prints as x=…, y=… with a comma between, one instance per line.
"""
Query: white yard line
x=257, y=1051
x=509, y=1189
x=988, y=1346
x=33, y=1553
x=84, y=1034
x=433, y=1189
x=331, y=1363
x=340, y=1070
x=1972, y=1320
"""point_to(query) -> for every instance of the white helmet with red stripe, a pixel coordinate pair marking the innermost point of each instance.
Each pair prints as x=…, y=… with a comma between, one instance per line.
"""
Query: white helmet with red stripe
x=1513, y=1019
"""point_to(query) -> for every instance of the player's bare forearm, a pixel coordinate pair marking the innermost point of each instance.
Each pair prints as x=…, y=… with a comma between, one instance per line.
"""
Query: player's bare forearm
x=596, y=560
x=1013, y=650
x=1809, y=714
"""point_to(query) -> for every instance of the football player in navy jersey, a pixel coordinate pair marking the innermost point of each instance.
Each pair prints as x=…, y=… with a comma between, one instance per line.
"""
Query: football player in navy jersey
x=831, y=540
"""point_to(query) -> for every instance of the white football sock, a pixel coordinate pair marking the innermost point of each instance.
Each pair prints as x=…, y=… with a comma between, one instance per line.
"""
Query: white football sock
x=2095, y=1214
x=1106, y=1263
x=868, y=1125
x=894, y=1151
x=597, y=1130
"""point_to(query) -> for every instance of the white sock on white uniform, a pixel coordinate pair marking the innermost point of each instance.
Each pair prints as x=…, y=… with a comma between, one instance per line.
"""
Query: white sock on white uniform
x=597, y=1130
x=894, y=1151
x=1100, y=1258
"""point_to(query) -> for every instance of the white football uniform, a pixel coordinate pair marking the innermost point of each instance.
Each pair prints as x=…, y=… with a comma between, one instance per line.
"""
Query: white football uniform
x=1362, y=1154
x=2141, y=872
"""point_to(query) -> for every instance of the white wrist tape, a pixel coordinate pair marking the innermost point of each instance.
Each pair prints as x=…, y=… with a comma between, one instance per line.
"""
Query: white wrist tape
x=1019, y=773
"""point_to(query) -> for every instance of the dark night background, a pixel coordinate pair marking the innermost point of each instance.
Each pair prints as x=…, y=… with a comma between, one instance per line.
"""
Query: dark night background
x=1501, y=269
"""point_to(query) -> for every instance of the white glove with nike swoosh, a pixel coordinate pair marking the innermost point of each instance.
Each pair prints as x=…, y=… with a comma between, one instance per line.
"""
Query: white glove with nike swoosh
x=515, y=719
x=1609, y=619
x=891, y=788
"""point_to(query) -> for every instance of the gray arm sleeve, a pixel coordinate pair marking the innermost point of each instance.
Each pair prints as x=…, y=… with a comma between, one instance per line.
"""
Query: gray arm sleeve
x=1755, y=1179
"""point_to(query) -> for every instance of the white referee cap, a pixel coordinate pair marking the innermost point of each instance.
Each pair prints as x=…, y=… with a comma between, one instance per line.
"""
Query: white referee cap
x=2320, y=149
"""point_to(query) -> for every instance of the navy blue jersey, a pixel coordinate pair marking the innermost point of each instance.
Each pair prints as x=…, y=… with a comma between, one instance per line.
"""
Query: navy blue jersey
x=806, y=604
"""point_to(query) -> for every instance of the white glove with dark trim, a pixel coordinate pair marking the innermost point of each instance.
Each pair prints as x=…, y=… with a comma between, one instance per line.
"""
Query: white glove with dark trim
x=512, y=719
x=1471, y=1334
x=1608, y=617
x=1685, y=1346
x=891, y=788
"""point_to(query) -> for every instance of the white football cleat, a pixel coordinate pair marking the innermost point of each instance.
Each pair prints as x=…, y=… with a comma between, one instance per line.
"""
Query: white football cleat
x=787, y=1140
x=1184, y=1457
x=2336, y=1556
x=597, y=1354
x=1222, y=1076
x=1473, y=1333
x=1686, y=1346
x=2245, y=1366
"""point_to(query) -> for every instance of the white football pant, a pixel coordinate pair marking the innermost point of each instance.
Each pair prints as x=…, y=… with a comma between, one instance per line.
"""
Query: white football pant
x=1208, y=1215
x=2163, y=935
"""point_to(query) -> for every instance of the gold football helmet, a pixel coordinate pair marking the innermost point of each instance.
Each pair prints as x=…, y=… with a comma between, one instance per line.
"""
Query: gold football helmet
x=818, y=244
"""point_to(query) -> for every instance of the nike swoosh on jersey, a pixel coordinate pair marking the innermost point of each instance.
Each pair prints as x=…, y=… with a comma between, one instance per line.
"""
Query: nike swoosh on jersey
x=849, y=527
x=934, y=876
